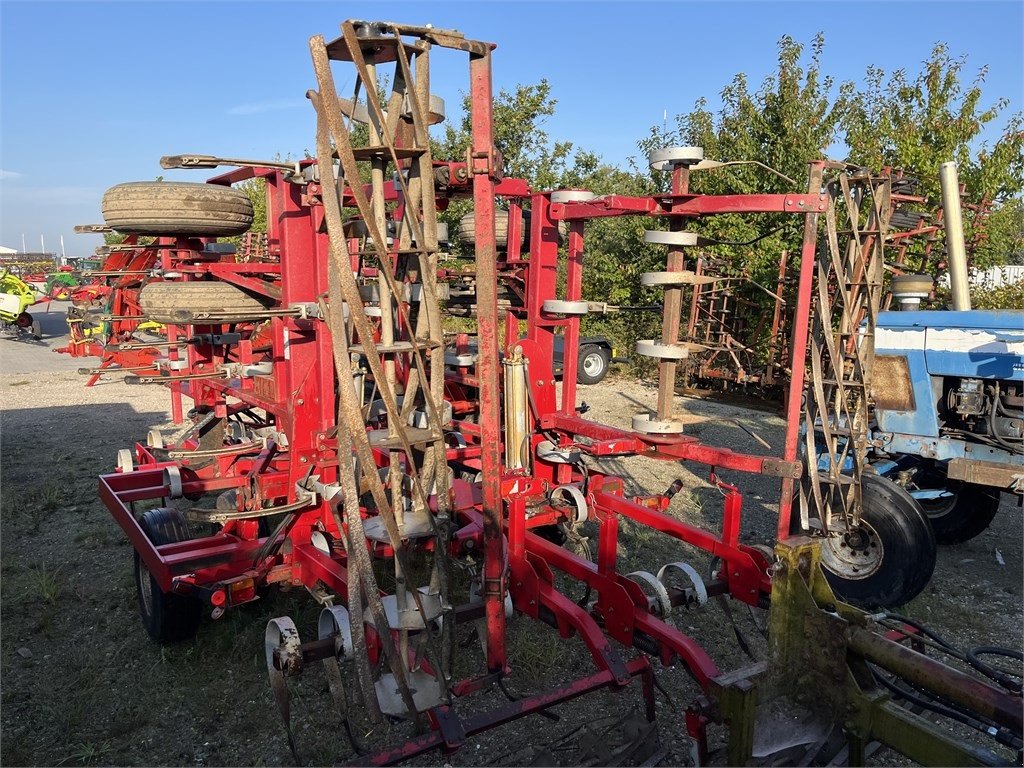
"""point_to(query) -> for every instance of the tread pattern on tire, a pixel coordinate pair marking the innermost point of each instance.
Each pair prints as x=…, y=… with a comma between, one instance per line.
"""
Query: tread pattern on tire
x=177, y=208
x=169, y=302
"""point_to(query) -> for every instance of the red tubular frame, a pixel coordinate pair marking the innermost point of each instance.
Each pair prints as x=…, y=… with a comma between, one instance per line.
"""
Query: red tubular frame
x=499, y=513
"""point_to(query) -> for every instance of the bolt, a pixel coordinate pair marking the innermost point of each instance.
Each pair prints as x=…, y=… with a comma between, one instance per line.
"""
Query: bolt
x=304, y=460
x=300, y=401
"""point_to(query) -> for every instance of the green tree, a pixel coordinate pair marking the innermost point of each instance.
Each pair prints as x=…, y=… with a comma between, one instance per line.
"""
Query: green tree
x=919, y=122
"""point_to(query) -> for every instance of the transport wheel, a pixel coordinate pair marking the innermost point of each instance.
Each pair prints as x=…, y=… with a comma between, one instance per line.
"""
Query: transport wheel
x=172, y=302
x=37, y=330
x=168, y=617
x=467, y=228
x=890, y=557
x=961, y=511
x=177, y=208
x=593, y=364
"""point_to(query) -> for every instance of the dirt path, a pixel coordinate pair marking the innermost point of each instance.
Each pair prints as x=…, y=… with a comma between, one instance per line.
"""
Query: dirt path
x=82, y=684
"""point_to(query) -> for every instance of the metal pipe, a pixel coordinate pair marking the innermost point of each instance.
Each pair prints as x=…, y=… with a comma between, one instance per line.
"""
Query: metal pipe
x=999, y=706
x=956, y=251
x=515, y=411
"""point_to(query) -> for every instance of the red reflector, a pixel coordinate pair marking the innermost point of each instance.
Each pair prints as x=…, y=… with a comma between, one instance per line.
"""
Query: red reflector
x=218, y=598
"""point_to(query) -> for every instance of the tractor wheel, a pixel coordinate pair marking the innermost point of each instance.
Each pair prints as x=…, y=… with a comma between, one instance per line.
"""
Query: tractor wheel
x=172, y=302
x=890, y=557
x=37, y=330
x=962, y=512
x=168, y=617
x=177, y=208
x=593, y=364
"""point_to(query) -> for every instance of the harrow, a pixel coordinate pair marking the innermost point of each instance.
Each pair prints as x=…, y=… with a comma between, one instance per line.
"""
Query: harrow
x=416, y=481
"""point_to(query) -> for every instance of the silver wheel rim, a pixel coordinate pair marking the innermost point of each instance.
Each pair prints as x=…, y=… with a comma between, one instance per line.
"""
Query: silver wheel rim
x=593, y=364
x=854, y=555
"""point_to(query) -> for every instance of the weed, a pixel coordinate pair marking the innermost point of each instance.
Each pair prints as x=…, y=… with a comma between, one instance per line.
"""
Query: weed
x=47, y=583
x=87, y=753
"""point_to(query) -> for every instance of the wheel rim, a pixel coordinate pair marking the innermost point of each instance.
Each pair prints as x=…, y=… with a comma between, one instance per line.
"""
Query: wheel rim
x=145, y=588
x=593, y=364
x=856, y=554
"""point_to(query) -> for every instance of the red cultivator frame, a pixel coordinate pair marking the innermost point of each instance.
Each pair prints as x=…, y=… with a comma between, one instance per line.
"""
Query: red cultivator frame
x=333, y=427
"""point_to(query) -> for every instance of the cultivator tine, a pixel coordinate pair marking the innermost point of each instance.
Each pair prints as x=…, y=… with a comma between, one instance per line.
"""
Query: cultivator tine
x=284, y=659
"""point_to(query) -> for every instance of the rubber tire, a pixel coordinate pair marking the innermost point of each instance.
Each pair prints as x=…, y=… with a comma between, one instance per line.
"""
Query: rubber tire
x=467, y=229
x=966, y=515
x=177, y=208
x=171, y=302
x=171, y=617
x=909, y=549
x=37, y=330
x=582, y=377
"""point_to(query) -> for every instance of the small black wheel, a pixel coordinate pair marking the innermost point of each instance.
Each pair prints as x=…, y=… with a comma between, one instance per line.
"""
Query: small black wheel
x=593, y=364
x=168, y=617
x=962, y=512
x=889, y=558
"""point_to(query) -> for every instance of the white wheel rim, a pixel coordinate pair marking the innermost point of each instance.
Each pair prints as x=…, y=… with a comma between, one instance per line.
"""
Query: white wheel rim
x=593, y=364
x=855, y=555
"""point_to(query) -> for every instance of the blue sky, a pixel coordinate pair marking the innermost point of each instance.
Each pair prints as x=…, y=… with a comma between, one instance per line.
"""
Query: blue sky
x=93, y=94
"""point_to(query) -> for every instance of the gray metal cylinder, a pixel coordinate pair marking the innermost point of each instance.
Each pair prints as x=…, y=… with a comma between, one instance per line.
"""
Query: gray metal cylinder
x=956, y=252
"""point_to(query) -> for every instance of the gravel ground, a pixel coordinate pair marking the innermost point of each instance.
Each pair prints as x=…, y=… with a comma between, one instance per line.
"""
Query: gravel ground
x=83, y=685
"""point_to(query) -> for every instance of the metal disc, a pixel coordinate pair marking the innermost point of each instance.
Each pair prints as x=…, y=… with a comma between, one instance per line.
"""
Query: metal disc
x=691, y=573
x=651, y=348
x=666, y=159
x=572, y=196
x=559, y=307
x=665, y=237
x=646, y=423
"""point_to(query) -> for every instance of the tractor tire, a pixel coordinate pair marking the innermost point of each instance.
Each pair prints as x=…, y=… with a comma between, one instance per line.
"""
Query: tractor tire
x=37, y=330
x=177, y=208
x=964, y=514
x=890, y=558
x=168, y=617
x=173, y=302
x=593, y=364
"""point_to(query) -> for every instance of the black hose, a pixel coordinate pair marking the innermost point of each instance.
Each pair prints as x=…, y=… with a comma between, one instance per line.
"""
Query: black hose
x=1005, y=679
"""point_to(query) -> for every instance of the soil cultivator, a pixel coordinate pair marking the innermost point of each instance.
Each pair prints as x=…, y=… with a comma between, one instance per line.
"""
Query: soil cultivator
x=415, y=481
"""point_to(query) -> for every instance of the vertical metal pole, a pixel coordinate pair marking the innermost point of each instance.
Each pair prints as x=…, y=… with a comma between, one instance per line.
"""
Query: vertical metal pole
x=798, y=358
x=481, y=157
x=673, y=305
x=956, y=252
x=571, y=342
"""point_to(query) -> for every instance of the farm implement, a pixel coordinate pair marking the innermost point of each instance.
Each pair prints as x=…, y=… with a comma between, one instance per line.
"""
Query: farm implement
x=16, y=296
x=421, y=484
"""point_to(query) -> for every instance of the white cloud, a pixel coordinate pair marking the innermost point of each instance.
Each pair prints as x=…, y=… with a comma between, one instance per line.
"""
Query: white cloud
x=8, y=175
x=259, y=107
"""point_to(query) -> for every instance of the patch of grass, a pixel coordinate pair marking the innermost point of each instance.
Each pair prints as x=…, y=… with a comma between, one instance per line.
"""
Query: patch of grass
x=19, y=383
x=87, y=753
x=46, y=583
x=534, y=651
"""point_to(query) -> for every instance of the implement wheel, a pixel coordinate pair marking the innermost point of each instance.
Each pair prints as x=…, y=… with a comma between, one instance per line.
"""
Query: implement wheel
x=168, y=617
x=177, y=208
x=172, y=302
x=889, y=558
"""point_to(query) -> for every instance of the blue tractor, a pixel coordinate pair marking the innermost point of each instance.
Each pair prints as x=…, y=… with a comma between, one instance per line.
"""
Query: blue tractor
x=949, y=412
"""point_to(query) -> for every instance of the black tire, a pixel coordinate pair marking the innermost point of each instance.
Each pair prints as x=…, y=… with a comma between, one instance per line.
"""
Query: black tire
x=172, y=302
x=167, y=617
x=592, y=364
x=965, y=514
x=177, y=208
x=37, y=330
x=898, y=548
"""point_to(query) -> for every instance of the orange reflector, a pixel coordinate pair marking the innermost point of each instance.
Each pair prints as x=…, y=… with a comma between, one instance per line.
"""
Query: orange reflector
x=242, y=590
